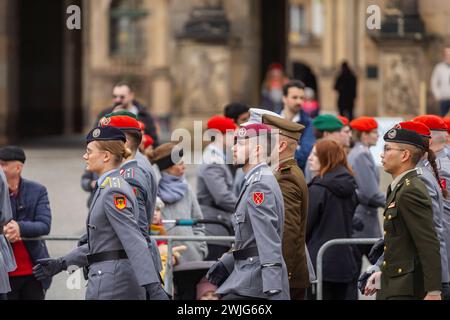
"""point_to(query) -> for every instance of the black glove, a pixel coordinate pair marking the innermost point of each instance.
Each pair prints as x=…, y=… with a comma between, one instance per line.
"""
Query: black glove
x=362, y=280
x=445, y=291
x=217, y=274
x=46, y=268
x=376, y=251
x=156, y=292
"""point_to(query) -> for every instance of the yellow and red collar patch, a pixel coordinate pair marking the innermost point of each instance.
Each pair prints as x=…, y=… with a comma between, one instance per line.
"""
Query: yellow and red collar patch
x=120, y=201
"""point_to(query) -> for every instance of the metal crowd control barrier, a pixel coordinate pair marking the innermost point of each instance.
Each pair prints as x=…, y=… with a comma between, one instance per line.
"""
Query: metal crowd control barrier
x=168, y=279
x=326, y=246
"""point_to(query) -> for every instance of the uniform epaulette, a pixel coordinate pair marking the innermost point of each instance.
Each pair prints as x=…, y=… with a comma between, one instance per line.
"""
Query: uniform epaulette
x=128, y=173
x=285, y=169
x=419, y=171
x=111, y=182
x=257, y=176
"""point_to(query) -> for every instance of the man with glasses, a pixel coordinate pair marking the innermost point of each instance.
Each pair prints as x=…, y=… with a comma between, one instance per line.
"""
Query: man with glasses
x=412, y=264
x=123, y=99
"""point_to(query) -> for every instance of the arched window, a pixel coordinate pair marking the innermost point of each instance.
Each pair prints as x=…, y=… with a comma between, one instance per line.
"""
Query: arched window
x=127, y=28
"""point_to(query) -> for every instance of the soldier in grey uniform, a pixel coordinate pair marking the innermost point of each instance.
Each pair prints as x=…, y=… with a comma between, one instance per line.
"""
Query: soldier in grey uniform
x=138, y=172
x=367, y=175
x=255, y=269
x=116, y=252
x=215, y=184
x=7, y=260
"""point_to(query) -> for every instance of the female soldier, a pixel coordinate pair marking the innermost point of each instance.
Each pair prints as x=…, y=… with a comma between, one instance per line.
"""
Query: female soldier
x=116, y=252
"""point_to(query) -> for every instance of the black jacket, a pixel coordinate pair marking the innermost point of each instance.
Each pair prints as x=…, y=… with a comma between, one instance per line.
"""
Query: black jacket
x=31, y=210
x=332, y=203
x=143, y=116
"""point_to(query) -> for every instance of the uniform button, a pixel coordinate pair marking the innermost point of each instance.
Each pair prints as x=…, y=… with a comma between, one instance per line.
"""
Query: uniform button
x=390, y=217
x=385, y=248
x=99, y=272
x=384, y=217
x=384, y=263
x=251, y=259
x=399, y=270
x=385, y=233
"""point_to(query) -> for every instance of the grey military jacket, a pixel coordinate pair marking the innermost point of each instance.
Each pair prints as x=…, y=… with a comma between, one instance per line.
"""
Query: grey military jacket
x=437, y=204
x=7, y=260
x=443, y=166
x=370, y=197
x=259, y=221
x=152, y=180
x=111, y=225
x=215, y=191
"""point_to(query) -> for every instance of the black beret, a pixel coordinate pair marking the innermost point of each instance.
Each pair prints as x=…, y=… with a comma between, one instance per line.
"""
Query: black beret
x=105, y=134
x=399, y=135
x=12, y=153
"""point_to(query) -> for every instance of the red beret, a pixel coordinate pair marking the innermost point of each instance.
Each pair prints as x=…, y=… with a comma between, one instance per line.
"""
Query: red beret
x=447, y=122
x=433, y=122
x=148, y=141
x=252, y=130
x=221, y=123
x=344, y=120
x=121, y=122
x=364, y=124
x=418, y=127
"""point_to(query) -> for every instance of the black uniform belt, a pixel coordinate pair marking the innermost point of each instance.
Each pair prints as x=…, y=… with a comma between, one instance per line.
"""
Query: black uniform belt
x=245, y=253
x=106, y=256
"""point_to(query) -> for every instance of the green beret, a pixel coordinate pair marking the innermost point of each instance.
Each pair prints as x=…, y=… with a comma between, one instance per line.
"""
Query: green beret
x=122, y=113
x=328, y=123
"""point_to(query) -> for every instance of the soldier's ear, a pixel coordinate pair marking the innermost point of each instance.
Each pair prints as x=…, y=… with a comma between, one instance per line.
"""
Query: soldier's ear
x=107, y=156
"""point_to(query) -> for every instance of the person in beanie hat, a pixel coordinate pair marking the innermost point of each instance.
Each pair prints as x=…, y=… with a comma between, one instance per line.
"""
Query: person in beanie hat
x=412, y=266
x=31, y=218
x=259, y=221
x=179, y=199
x=109, y=239
x=215, y=183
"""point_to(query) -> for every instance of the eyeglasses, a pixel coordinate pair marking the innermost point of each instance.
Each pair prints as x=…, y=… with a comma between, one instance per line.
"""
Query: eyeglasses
x=387, y=149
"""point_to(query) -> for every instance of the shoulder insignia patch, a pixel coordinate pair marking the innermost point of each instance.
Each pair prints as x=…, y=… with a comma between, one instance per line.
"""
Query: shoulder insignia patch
x=105, y=183
x=120, y=201
x=128, y=173
x=258, y=198
x=114, y=183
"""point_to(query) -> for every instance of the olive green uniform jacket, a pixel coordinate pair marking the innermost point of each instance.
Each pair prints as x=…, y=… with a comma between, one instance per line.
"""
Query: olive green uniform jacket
x=295, y=194
x=412, y=262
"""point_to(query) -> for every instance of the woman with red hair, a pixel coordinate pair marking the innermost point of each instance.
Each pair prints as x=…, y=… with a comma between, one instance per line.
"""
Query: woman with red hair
x=332, y=203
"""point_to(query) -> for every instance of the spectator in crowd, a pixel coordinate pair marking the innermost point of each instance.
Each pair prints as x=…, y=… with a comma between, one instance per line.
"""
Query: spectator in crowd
x=311, y=105
x=215, y=183
x=124, y=100
x=332, y=203
x=7, y=261
x=239, y=112
x=206, y=290
x=179, y=200
x=346, y=86
x=272, y=89
x=440, y=83
x=293, y=98
x=31, y=219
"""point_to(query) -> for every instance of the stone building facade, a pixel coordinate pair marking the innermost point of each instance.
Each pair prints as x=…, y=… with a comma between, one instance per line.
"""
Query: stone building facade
x=186, y=59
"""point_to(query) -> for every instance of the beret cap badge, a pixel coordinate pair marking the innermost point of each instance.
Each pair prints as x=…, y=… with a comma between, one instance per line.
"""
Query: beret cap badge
x=392, y=134
x=96, y=133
